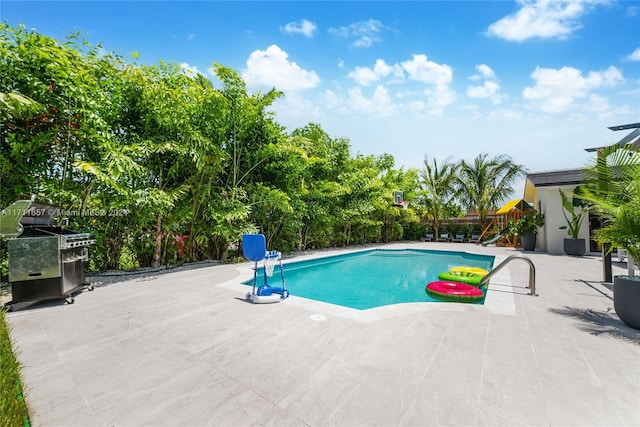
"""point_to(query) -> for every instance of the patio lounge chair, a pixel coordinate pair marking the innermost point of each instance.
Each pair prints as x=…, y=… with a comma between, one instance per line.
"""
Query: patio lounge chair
x=428, y=237
x=459, y=238
x=475, y=237
x=444, y=236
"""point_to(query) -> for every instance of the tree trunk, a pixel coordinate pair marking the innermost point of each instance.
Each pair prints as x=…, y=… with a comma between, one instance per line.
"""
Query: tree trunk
x=112, y=259
x=157, y=249
x=225, y=253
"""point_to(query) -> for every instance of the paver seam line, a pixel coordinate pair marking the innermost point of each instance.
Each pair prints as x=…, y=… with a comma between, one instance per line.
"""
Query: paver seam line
x=338, y=407
x=66, y=369
x=484, y=364
x=438, y=347
x=438, y=421
x=246, y=387
x=536, y=361
x=595, y=374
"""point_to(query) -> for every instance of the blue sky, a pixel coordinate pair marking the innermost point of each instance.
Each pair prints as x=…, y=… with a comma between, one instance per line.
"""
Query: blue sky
x=537, y=80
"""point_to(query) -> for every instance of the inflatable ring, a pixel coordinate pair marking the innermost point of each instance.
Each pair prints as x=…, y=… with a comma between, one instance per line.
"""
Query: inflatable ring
x=476, y=270
x=462, y=277
x=454, y=292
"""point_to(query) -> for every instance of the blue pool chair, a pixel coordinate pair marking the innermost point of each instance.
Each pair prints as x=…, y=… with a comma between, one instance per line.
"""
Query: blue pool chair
x=459, y=237
x=444, y=236
x=254, y=248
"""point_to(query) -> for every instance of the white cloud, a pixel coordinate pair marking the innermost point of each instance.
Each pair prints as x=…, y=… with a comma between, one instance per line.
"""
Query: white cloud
x=599, y=104
x=556, y=89
x=294, y=105
x=191, y=37
x=303, y=26
x=379, y=104
x=487, y=90
x=365, y=33
x=437, y=78
x=422, y=70
x=189, y=69
x=543, y=19
x=366, y=41
x=365, y=75
x=634, y=56
x=603, y=109
x=416, y=106
x=272, y=68
x=484, y=72
x=438, y=98
x=332, y=100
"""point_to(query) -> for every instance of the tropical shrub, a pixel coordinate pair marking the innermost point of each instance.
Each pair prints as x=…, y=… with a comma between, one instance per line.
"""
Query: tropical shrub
x=528, y=224
x=162, y=156
x=613, y=189
x=574, y=220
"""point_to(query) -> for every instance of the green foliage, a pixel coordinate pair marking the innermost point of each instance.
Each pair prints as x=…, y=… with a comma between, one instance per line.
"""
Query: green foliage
x=575, y=220
x=623, y=229
x=485, y=183
x=13, y=410
x=613, y=189
x=528, y=224
x=437, y=190
x=178, y=169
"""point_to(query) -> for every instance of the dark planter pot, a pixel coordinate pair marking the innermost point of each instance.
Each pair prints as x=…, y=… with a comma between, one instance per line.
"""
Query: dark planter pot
x=528, y=242
x=575, y=247
x=626, y=299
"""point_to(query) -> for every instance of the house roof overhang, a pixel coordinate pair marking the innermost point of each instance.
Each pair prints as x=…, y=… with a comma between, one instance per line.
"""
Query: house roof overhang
x=632, y=138
x=557, y=178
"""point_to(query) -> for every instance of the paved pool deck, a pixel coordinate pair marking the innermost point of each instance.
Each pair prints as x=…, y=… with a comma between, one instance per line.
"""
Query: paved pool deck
x=185, y=349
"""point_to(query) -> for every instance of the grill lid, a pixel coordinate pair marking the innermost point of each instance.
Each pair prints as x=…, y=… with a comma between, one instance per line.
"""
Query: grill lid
x=25, y=212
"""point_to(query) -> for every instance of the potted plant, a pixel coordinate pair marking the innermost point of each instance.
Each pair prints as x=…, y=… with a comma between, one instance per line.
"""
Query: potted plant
x=526, y=228
x=614, y=192
x=573, y=245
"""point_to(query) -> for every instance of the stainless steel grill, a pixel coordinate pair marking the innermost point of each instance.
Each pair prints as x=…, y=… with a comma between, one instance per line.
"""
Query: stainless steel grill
x=46, y=261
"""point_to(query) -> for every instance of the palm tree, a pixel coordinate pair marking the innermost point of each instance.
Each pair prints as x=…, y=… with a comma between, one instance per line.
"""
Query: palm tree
x=437, y=188
x=613, y=189
x=612, y=186
x=486, y=182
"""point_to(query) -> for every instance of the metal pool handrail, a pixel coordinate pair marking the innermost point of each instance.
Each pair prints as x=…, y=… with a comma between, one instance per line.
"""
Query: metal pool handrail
x=532, y=272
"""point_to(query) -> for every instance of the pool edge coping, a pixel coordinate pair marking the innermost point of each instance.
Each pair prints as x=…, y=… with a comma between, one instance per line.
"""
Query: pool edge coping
x=502, y=302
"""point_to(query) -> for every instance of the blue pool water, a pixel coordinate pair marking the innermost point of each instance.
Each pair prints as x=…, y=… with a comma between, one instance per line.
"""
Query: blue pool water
x=372, y=278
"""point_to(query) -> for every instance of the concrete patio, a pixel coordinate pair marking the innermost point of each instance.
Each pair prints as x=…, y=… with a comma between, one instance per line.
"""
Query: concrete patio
x=185, y=349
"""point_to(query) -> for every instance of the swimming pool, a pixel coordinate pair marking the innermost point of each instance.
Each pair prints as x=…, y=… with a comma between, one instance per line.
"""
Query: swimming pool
x=372, y=278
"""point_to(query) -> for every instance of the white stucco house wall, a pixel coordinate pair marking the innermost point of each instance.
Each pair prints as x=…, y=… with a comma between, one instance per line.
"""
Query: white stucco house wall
x=542, y=192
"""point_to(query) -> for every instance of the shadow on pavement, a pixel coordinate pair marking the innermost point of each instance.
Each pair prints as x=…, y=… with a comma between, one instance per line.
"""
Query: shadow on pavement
x=600, y=323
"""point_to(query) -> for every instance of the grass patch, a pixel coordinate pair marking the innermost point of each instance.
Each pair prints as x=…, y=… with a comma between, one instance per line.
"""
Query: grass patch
x=13, y=409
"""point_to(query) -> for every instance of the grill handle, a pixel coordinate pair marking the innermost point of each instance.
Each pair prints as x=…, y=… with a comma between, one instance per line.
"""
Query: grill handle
x=84, y=257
